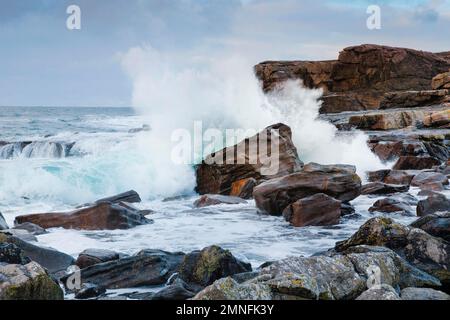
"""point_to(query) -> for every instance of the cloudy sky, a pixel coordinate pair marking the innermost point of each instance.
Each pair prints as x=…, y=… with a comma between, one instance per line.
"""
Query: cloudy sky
x=43, y=63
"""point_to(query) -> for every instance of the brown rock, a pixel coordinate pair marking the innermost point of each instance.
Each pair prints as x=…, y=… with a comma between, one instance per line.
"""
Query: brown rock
x=435, y=202
x=317, y=210
x=440, y=119
x=436, y=225
x=103, y=216
x=425, y=178
x=377, y=176
x=415, y=163
x=392, y=205
x=243, y=188
x=399, y=177
x=391, y=120
x=89, y=257
x=338, y=181
x=217, y=178
x=412, y=99
x=383, y=188
x=442, y=80
x=215, y=199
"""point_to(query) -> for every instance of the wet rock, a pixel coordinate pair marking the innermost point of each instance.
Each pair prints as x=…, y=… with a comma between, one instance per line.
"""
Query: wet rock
x=103, y=216
x=377, y=176
x=89, y=291
x=338, y=181
x=219, y=170
x=347, y=209
x=435, y=202
x=439, y=119
x=21, y=234
x=243, y=188
x=129, y=196
x=179, y=290
x=413, y=99
x=215, y=199
x=392, y=205
x=387, y=120
x=27, y=282
x=316, y=210
x=436, y=225
x=32, y=228
x=90, y=257
x=383, y=188
x=148, y=267
x=415, y=163
x=52, y=260
x=379, y=292
x=441, y=81
x=423, y=294
x=433, y=187
x=11, y=254
x=425, y=178
x=3, y=224
x=399, y=177
x=203, y=267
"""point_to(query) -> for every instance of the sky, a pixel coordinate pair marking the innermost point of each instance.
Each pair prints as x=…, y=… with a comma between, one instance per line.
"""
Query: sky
x=42, y=63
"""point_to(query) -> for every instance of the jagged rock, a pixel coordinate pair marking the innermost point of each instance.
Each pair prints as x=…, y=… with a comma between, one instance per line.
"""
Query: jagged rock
x=415, y=163
x=27, y=282
x=424, y=178
x=243, y=188
x=316, y=210
x=379, y=292
x=412, y=99
x=203, y=267
x=383, y=188
x=11, y=254
x=387, y=120
x=436, y=202
x=129, y=196
x=338, y=181
x=146, y=268
x=179, y=290
x=102, y=216
x=439, y=119
x=32, y=228
x=392, y=205
x=441, y=81
x=90, y=257
x=217, y=178
x=215, y=199
x=423, y=294
x=3, y=224
x=436, y=225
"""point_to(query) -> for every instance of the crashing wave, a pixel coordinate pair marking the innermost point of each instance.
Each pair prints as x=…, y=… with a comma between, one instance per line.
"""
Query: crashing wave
x=36, y=149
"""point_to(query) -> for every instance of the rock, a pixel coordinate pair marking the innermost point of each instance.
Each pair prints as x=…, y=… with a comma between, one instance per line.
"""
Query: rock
x=52, y=260
x=347, y=209
x=392, y=205
x=21, y=234
x=102, y=216
x=229, y=289
x=439, y=119
x=316, y=210
x=379, y=292
x=412, y=99
x=415, y=163
x=388, y=151
x=88, y=291
x=441, y=81
x=129, y=196
x=3, y=224
x=215, y=199
x=338, y=181
x=217, y=178
x=145, y=127
x=203, y=267
x=90, y=257
x=27, y=282
x=399, y=177
x=387, y=120
x=425, y=177
x=147, y=268
x=243, y=188
x=436, y=225
x=383, y=188
x=436, y=202
x=11, y=254
x=179, y=290
x=377, y=176
x=360, y=77
x=32, y=228
x=423, y=294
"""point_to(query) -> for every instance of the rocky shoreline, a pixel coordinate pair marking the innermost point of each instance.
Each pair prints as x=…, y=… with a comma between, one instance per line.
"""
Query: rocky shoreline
x=399, y=97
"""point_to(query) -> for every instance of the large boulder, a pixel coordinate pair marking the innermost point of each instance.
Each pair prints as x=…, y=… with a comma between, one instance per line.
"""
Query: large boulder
x=204, y=266
x=90, y=257
x=316, y=210
x=338, y=181
x=27, y=282
x=102, y=216
x=415, y=163
x=207, y=200
x=392, y=205
x=220, y=170
x=403, y=177
x=436, y=225
x=379, y=292
x=426, y=177
x=435, y=202
x=423, y=294
x=441, y=81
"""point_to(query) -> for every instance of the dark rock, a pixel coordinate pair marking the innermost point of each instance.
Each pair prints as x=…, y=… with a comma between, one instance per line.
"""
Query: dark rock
x=426, y=177
x=347, y=209
x=129, y=196
x=20, y=234
x=215, y=199
x=399, y=177
x=147, y=268
x=436, y=225
x=436, y=202
x=219, y=170
x=392, y=205
x=415, y=163
x=338, y=181
x=3, y=224
x=11, y=254
x=243, y=188
x=423, y=294
x=382, y=188
x=179, y=290
x=203, y=267
x=32, y=228
x=316, y=210
x=412, y=99
x=90, y=257
x=103, y=216
x=379, y=292
x=377, y=176
x=88, y=291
